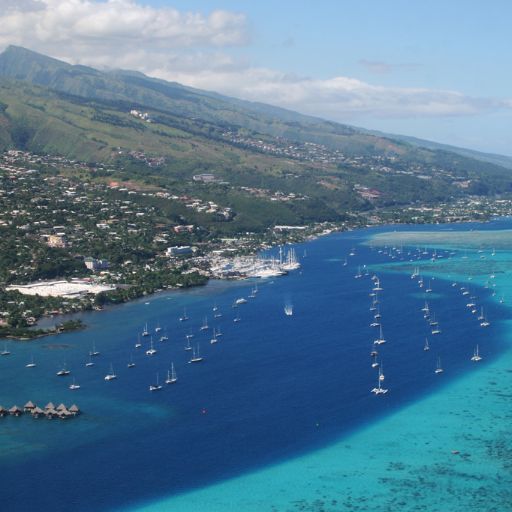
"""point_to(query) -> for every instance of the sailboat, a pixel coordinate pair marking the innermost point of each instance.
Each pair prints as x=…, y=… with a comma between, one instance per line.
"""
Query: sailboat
x=157, y=386
x=254, y=291
x=158, y=328
x=214, y=337
x=485, y=322
x=151, y=350
x=237, y=318
x=64, y=371
x=426, y=347
x=377, y=287
x=218, y=332
x=131, y=364
x=74, y=385
x=429, y=289
x=188, y=346
x=184, y=317
x=94, y=352
x=379, y=390
x=171, y=375
x=89, y=363
x=433, y=322
x=196, y=358
x=476, y=355
x=32, y=364
x=111, y=375
x=436, y=329
x=375, y=363
x=380, y=340
x=204, y=327
x=439, y=368
x=145, y=331
x=164, y=336
x=288, y=309
x=4, y=352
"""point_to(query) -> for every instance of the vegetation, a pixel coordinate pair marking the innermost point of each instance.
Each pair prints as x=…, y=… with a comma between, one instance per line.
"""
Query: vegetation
x=119, y=167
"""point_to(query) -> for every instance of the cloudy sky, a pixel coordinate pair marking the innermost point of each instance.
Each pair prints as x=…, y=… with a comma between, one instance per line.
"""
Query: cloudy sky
x=439, y=70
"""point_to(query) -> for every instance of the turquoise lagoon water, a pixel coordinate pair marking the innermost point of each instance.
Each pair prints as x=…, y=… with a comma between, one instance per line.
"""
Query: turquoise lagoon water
x=279, y=416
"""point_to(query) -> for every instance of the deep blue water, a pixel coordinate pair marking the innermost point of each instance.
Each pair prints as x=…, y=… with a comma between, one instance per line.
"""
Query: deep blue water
x=272, y=387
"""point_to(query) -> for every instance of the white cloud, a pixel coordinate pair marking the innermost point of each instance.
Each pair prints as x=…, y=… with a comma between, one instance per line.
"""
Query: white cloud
x=188, y=47
x=339, y=98
x=80, y=27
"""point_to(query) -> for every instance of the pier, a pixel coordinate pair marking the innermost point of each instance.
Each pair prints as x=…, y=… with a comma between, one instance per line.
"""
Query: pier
x=50, y=411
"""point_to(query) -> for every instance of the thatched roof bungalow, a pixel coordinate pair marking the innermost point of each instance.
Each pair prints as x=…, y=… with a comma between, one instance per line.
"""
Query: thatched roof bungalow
x=29, y=406
x=36, y=412
x=15, y=410
x=74, y=409
x=50, y=413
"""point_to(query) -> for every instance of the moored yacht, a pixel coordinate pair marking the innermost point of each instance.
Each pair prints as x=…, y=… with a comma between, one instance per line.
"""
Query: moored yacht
x=379, y=390
x=204, y=327
x=171, y=375
x=111, y=374
x=476, y=355
x=74, y=386
x=380, y=340
x=157, y=386
x=151, y=351
x=64, y=371
x=196, y=358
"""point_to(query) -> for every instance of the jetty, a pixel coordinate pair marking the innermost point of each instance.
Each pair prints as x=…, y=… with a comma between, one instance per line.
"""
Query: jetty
x=50, y=411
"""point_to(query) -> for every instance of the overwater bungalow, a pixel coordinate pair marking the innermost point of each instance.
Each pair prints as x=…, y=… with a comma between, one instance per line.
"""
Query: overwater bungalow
x=15, y=410
x=64, y=414
x=74, y=410
x=50, y=413
x=3, y=411
x=61, y=407
x=36, y=412
x=29, y=406
x=48, y=406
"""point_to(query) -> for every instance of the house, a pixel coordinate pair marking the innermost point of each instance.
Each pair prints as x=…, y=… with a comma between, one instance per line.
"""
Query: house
x=94, y=264
x=180, y=250
x=57, y=241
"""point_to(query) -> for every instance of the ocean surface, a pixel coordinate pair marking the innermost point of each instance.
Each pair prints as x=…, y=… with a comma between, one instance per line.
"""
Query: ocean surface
x=279, y=415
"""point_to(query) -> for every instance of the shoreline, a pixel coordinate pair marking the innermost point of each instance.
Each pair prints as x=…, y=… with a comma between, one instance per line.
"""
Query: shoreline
x=292, y=238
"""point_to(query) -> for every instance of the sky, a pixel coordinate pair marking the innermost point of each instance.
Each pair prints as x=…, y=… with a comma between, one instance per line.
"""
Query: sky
x=438, y=70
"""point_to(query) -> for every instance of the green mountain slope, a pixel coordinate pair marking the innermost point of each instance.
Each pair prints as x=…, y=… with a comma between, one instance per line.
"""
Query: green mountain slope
x=50, y=107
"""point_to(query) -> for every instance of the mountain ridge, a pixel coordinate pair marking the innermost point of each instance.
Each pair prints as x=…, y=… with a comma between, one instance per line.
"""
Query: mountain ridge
x=51, y=107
